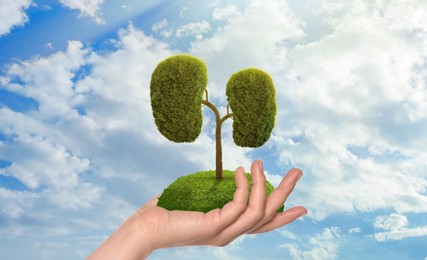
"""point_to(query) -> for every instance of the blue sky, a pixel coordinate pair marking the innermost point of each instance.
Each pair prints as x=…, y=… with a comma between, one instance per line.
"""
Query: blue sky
x=79, y=150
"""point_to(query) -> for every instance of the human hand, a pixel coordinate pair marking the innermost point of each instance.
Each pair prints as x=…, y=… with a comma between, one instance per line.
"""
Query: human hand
x=153, y=227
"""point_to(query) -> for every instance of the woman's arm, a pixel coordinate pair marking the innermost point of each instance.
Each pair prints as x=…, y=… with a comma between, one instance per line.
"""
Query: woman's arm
x=153, y=227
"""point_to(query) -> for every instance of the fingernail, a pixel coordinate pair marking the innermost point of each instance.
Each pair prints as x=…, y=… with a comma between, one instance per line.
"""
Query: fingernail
x=298, y=176
x=240, y=169
x=303, y=213
x=260, y=166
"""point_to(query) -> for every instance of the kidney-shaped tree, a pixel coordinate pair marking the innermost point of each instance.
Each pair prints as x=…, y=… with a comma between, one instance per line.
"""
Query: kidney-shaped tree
x=178, y=93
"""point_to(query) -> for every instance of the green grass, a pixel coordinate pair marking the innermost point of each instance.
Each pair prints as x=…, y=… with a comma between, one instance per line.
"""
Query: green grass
x=200, y=191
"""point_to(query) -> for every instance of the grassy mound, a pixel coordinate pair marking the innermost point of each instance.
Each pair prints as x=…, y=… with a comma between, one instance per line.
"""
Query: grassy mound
x=200, y=191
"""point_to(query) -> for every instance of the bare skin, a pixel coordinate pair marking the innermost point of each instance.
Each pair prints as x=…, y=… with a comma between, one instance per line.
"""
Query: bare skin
x=153, y=227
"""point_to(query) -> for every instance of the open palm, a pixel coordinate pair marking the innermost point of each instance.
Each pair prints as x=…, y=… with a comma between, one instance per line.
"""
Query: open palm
x=221, y=226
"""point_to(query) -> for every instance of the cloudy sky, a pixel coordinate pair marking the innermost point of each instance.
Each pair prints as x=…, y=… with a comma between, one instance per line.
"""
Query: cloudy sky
x=79, y=150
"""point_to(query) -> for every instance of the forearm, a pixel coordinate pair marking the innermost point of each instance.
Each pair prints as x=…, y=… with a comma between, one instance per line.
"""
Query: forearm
x=129, y=242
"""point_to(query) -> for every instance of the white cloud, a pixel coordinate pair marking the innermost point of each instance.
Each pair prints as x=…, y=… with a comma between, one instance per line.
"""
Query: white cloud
x=288, y=234
x=14, y=204
x=354, y=230
x=194, y=29
x=160, y=25
x=322, y=246
x=37, y=161
x=162, y=28
x=245, y=42
x=353, y=109
x=12, y=14
x=214, y=3
x=396, y=228
x=126, y=8
x=224, y=13
x=90, y=8
x=49, y=80
x=391, y=222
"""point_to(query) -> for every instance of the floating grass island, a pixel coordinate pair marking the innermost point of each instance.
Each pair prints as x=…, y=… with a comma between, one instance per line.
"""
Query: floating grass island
x=201, y=191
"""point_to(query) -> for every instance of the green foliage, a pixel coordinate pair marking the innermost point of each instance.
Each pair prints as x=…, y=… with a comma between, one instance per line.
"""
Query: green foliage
x=252, y=98
x=176, y=90
x=201, y=191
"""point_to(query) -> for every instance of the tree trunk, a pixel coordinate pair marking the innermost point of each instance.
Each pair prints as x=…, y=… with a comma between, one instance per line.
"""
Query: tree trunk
x=217, y=138
x=218, y=141
x=218, y=149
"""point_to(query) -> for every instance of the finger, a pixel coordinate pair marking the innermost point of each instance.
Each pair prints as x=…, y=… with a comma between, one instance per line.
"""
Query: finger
x=152, y=202
x=281, y=219
x=257, y=198
x=278, y=197
x=233, y=209
x=255, y=210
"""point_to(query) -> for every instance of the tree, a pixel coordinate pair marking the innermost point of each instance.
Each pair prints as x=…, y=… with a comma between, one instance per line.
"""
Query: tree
x=177, y=87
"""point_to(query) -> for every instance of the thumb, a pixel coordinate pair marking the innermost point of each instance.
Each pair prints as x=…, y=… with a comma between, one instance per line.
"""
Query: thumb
x=152, y=202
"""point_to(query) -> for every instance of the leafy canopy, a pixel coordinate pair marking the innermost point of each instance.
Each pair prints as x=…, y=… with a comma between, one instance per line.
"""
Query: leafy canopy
x=176, y=90
x=252, y=97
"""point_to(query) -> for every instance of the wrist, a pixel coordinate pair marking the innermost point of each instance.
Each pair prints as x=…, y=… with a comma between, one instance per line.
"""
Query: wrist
x=130, y=241
x=142, y=235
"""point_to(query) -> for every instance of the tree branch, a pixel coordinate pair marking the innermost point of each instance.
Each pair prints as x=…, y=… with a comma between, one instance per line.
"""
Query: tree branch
x=214, y=109
x=207, y=95
x=227, y=116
